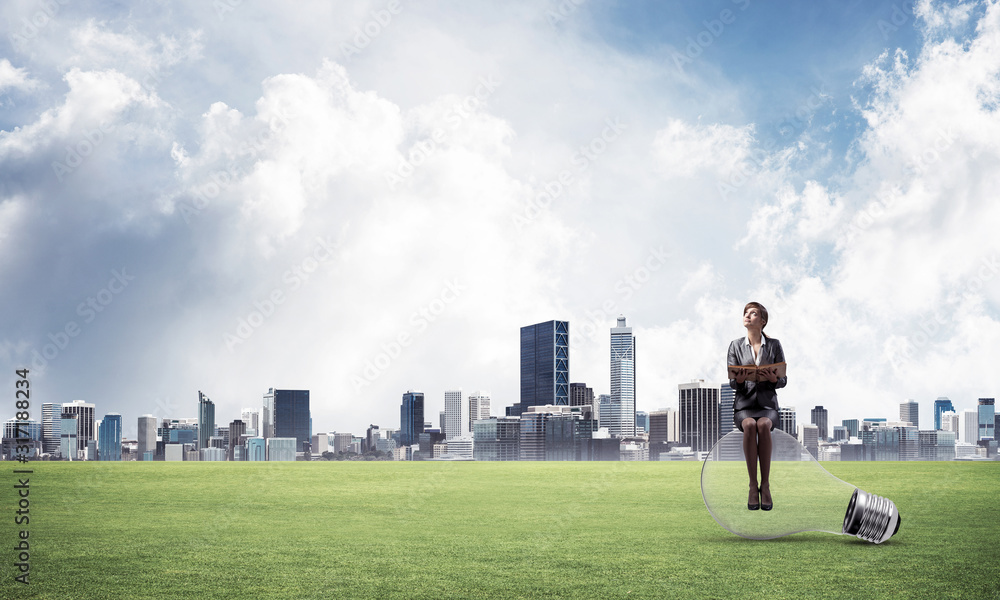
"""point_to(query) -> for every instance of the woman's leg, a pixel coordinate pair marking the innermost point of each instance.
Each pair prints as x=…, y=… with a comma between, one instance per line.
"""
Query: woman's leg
x=750, y=452
x=764, y=454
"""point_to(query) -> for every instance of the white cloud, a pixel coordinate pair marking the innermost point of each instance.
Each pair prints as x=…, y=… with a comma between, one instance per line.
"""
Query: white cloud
x=684, y=149
x=12, y=77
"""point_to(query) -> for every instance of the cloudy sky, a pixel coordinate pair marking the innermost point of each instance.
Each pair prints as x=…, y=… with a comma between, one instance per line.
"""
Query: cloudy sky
x=360, y=198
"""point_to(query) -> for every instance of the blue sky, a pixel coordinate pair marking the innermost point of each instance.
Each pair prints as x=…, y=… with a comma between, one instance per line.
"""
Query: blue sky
x=271, y=197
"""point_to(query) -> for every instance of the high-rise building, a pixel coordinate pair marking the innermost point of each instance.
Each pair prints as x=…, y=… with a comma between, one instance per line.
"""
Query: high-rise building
x=456, y=420
x=698, y=409
x=69, y=441
x=622, y=380
x=109, y=437
x=85, y=423
x=206, y=420
x=727, y=399
x=147, y=435
x=663, y=426
x=641, y=422
x=544, y=366
x=809, y=437
x=581, y=395
x=237, y=433
x=909, y=413
x=342, y=441
x=51, y=415
x=251, y=418
x=968, y=427
x=852, y=426
x=256, y=449
x=282, y=448
x=411, y=418
x=532, y=441
x=286, y=415
x=372, y=436
x=941, y=405
x=820, y=417
x=786, y=420
x=479, y=407
x=987, y=419
x=949, y=421
x=497, y=438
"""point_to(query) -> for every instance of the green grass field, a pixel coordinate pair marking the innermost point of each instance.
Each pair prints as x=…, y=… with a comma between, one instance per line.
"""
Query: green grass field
x=479, y=530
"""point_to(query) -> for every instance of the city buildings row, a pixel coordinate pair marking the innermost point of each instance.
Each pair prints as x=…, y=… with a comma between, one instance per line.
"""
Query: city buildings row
x=554, y=419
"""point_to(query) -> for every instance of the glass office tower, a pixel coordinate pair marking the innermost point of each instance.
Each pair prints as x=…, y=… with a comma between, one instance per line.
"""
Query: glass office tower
x=286, y=415
x=544, y=366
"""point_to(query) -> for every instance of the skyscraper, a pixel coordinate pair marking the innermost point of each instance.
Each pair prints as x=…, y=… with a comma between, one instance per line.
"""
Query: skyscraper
x=698, y=410
x=909, y=413
x=109, y=437
x=455, y=416
x=206, y=420
x=786, y=421
x=251, y=418
x=51, y=414
x=411, y=418
x=85, y=423
x=544, y=366
x=622, y=380
x=987, y=419
x=581, y=395
x=287, y=415
x=69, y=439
x=479, y=407
x=727, y=398
x=820, y=416
x=147, y=436
x=941, y=405
x=237, y=431
x=968, y=431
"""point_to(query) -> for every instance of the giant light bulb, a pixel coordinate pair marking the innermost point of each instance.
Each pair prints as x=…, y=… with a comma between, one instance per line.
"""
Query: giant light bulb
x=806, y=497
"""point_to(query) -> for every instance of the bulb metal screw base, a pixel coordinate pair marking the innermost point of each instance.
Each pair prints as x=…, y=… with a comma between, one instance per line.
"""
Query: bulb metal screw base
x=871, y=518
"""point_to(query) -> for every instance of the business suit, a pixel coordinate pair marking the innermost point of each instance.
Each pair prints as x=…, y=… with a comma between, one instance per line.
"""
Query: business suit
x=758, y=399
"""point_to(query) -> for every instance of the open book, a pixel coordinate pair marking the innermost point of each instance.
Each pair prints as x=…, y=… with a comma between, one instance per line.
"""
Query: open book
x=755, y=373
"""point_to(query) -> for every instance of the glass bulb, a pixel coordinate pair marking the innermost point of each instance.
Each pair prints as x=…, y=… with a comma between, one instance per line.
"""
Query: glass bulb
x=806, y=497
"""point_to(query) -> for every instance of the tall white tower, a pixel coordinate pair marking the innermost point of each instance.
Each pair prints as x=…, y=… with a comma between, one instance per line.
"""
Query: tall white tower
x=622, y=381
x=456, y=417
x=479, y=407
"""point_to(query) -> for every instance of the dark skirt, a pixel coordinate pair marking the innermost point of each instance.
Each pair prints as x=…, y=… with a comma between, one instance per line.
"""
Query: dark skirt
x=755, y=413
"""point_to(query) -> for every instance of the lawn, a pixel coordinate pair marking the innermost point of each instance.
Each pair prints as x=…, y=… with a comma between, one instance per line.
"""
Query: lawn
x=479, y=530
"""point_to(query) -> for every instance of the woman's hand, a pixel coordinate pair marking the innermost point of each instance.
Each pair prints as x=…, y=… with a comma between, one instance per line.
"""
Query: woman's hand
x=741, y=375
x=772, y=375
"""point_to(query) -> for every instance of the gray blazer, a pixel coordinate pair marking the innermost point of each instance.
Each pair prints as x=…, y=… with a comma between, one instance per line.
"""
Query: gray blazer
x=762, y=394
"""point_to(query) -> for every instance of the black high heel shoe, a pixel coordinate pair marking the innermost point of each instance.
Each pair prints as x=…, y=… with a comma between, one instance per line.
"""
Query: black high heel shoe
x=767, y=506
x=755, y=506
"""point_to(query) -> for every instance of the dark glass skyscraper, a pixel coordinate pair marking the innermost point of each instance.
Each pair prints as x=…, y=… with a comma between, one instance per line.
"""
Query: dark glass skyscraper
x=286, y=415
x=819, y=417
x=411, y=418
x=206, y=420
x=544, y=365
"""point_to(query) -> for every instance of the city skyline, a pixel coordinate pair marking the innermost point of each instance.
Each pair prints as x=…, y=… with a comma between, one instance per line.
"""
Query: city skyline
x=384, y=197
